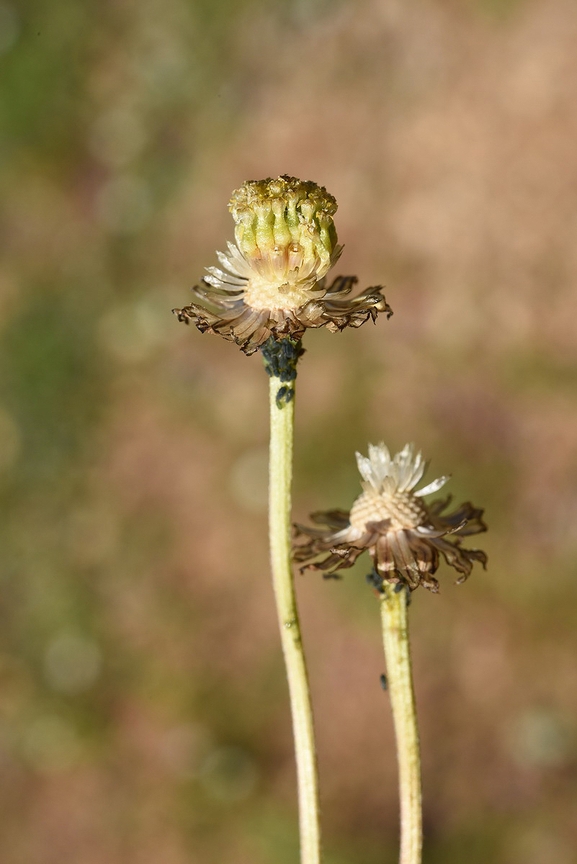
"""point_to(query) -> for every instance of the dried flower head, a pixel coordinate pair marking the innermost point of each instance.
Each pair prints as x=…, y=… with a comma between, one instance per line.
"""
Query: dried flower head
x=273, y=279
x=404, y=535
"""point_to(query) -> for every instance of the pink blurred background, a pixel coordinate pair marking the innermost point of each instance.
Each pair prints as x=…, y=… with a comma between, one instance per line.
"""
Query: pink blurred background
x=143, y=708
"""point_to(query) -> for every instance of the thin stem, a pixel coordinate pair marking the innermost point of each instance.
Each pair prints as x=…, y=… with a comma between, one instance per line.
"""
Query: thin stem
x=400, y=681
x=281, y=447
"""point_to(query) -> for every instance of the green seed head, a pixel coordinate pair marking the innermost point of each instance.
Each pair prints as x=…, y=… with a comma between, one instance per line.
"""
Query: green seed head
x=285, y=226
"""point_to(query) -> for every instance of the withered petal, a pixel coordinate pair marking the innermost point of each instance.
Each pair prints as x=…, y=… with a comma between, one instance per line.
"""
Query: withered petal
x=411, y=555
x=456, y=557
x=437, y=507
x=430, y=583
x=341, y=286
x=466, y=520
x=339, y=559
x=220, y=308
x=332, y=518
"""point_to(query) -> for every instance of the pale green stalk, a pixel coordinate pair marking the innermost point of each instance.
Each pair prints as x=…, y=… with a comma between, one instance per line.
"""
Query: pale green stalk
x=281, y=449
x=400, y=681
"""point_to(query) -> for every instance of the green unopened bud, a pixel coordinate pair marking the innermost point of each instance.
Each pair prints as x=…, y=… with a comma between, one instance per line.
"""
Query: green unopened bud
x=285, y=231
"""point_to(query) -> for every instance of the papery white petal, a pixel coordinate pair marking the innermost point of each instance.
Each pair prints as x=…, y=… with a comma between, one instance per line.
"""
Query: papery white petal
x=432, y=487
x=389, y=485
x=365, y=468
x=416, y=472
x=227, y=278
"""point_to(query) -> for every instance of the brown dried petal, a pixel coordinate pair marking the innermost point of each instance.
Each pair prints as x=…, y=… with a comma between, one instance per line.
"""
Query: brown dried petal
x=466, y=520
x=408, y=555
x=223, y=311
x=337, y=519
x=341, y=558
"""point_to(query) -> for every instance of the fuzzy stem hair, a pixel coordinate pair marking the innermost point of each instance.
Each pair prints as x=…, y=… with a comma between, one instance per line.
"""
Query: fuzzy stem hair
x=394, y=616
x=280, y=477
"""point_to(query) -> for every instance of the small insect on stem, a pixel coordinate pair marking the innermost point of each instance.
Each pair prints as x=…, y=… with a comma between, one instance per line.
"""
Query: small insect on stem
x=284, y=395
x=400, y=586
x=375, y=580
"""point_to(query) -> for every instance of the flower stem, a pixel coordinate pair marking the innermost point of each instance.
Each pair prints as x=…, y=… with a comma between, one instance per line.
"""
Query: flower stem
x=400, y=681
x=281, y=447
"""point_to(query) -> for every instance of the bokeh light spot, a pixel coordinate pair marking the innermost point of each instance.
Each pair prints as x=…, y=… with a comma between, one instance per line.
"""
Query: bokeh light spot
x=72, y=663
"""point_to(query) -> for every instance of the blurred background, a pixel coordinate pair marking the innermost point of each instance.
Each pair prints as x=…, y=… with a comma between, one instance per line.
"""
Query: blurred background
x=143, y=707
